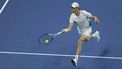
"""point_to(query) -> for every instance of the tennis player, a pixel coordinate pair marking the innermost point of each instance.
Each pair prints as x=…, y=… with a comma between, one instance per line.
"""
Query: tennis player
x=82, y=18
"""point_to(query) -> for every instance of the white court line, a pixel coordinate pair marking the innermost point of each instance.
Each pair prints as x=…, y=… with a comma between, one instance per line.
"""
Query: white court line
x=4, y=6
x=58, y=55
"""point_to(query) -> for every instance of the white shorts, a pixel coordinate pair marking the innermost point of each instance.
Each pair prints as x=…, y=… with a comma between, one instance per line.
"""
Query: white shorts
x=87, y=31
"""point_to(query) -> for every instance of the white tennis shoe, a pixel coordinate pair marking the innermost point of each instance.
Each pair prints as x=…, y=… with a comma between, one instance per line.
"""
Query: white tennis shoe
x=74, y=62
x=97, y=36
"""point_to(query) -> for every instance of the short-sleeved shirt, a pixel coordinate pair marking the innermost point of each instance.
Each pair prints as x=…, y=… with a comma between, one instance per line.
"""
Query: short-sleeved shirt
x=82, y=20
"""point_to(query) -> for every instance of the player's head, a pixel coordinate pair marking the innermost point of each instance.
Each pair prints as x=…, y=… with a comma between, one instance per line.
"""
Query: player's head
x=75, y=7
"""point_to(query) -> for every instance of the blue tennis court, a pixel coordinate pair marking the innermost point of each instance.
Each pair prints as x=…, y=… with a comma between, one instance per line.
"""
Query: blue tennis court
x=23, y=21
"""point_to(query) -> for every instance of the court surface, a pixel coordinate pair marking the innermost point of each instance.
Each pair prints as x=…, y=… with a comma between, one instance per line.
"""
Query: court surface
x=22, y=21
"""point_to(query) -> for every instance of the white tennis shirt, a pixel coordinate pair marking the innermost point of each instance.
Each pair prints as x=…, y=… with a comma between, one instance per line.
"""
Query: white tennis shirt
x=82, y=20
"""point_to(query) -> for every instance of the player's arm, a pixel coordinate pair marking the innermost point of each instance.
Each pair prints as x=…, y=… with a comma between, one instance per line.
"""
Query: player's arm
x=71, y=23
x=96, y=19
x=69, y=28
x=88, y=14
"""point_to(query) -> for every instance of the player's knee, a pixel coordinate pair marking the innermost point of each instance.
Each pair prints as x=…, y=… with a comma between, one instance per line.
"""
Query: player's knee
x=81, y=40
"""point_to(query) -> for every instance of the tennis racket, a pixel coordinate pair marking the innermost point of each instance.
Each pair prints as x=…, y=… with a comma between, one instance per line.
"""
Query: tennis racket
x=46, y=38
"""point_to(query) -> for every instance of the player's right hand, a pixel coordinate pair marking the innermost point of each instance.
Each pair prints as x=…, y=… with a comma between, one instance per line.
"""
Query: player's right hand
x=65, y=30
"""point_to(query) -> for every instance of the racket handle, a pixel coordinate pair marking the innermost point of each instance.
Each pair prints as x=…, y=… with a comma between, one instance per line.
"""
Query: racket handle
x=54, y=35
x=59, y=33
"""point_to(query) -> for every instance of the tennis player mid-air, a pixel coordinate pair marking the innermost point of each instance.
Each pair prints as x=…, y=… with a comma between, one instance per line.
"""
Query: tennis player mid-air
x=82, y=18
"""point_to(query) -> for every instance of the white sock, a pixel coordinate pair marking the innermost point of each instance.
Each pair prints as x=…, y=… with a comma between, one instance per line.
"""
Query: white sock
x=94, y=35
x=76, y=58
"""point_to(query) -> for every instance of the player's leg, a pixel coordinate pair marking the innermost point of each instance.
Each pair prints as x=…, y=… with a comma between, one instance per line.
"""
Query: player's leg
x=95, y=35
x=79, y=47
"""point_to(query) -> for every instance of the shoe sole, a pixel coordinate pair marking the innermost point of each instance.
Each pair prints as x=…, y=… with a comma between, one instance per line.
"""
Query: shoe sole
x=98, y=37
x=74, y=64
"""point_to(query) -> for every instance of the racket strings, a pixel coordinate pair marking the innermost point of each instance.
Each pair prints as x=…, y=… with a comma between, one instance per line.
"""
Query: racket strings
x=45, y=39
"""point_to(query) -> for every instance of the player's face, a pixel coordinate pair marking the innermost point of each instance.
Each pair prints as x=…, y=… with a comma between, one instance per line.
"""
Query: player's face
x=74, y=10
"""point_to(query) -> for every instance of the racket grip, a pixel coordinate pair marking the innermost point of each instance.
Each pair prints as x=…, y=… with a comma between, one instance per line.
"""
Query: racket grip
x=54, y=35
x=59, y=33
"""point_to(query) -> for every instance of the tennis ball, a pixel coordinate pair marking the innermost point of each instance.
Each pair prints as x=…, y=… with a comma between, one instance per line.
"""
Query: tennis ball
x=46, y=41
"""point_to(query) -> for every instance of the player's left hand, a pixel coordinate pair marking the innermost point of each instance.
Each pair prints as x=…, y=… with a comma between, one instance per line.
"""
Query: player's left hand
x=97, y=21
